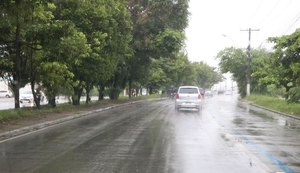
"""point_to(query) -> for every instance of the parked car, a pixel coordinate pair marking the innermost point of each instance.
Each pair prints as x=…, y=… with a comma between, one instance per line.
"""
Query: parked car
x=188, y=97
x=5, y=93
x=26, y=96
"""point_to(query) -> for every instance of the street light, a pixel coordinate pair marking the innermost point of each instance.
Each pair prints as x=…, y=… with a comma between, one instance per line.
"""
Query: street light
x=226, y=36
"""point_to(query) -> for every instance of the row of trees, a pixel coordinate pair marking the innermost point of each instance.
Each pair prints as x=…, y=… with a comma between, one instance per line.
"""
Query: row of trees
x=273, y=72
x=72, y=46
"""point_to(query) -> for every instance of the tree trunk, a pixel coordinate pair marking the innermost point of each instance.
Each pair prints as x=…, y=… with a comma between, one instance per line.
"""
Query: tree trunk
x=77, y=95
x=287, y=89
x=88, y=89
x=52, y=102
x=17, y=79
x=101, y=92
x=129, y=89
x=17, y=95
x=150, y=90
x=36, y=95
x=137, y=90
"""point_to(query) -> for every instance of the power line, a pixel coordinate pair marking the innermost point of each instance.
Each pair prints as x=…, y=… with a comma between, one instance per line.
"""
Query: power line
x=254, y=14
x=269, y=13
x=292, y=24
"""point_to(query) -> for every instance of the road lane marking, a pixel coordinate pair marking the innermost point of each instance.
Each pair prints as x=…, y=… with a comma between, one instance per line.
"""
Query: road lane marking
x=266, y=154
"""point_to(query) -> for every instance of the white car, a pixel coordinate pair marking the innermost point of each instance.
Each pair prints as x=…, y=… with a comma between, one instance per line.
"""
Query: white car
x=188, y=97
x=26, y=96
x=5, y=93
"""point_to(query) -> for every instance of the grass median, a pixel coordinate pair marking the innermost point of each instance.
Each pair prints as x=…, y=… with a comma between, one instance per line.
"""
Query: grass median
x=277, y=104
x=13, y=114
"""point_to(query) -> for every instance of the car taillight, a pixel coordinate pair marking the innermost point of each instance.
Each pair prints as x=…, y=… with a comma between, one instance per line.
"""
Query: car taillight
x=177, y=96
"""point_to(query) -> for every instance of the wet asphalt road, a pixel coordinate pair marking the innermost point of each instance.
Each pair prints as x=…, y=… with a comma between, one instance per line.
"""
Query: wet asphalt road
x=150, y=137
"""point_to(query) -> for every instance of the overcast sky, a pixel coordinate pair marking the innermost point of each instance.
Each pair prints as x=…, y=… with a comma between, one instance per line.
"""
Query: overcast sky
x=216, y=24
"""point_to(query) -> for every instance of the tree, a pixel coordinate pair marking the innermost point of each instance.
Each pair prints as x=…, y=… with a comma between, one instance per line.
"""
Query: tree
x=182, y=70
x=234, y=60
x=106, y=27
x=263, y=72
x=13, y=27
x=204, y=75
x=75, y=51
x=157, y=75
x=22, y=24
x=55, y=77
x=287, y=61
x=157, y=32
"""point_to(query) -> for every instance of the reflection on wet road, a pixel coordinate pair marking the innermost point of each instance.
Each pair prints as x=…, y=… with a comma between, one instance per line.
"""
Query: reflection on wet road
x=150, y=136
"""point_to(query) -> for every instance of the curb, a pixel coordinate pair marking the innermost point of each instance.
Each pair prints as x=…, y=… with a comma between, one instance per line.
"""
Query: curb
x=273, y=111
x=28, y=129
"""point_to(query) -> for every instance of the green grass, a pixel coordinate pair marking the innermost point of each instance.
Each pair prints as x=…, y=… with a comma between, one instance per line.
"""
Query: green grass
x=6, y=115
x=277, y=104
x=12, y=114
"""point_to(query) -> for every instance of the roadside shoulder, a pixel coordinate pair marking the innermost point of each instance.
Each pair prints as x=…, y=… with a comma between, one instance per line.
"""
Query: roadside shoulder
x=271, y=110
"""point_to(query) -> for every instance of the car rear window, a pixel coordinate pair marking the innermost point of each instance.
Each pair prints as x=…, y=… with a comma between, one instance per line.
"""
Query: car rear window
x=188, y=91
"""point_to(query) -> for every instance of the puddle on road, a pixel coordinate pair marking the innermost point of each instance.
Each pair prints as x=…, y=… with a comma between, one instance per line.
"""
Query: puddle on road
x=238, y=121
x=224, y=136
x=266, y=116
x=291, y=125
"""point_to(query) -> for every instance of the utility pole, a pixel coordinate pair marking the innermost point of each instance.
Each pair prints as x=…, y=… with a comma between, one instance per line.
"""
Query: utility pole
x=248, y=72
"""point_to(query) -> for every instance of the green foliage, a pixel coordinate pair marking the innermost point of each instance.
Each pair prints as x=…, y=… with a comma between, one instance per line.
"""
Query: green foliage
x=286, y=60
x=274, y=91
x=261, y=68
x=205, y=76
x=270, y=72
x=262, y=71
x=118, y=82
x=158, y=32
x=169, y=42
x=182, y=72
x=56, y=78
x=158, y=77
x=70, y=45
x=234, y=61
x=166, y=73
x=102, y=43
x=294, y=95
x=21, y=23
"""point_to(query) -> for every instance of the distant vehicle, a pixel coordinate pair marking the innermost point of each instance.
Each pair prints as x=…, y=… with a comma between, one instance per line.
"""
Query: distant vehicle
x=26, y=96
x=208, y=93
x=221, y=92
x=188, y=97
x=5, y=93
x=228, y=92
